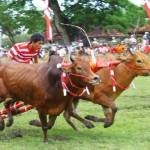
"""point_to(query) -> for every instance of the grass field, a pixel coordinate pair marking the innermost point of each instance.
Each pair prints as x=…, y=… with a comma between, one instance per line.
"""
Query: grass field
x=131, y=130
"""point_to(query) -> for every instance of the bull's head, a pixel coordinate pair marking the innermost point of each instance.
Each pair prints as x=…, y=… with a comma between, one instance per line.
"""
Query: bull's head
x=138, y=63
x=80, y=71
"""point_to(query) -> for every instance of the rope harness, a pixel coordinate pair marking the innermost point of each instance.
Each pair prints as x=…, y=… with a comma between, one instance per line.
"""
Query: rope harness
x=65, y=79
x=113, y=79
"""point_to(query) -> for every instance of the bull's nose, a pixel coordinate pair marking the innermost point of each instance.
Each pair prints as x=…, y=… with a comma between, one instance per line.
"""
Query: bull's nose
x=96, y=79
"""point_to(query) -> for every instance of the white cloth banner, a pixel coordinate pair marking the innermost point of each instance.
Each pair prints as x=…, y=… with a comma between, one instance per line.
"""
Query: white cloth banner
x=42, y=5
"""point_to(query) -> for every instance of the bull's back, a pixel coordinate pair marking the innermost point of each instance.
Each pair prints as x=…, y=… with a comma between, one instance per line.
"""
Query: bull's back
x=19, y=79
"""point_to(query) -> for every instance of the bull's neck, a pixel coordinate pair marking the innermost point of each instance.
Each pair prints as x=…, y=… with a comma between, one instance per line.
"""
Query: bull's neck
x=124, y=75
x=74, y=84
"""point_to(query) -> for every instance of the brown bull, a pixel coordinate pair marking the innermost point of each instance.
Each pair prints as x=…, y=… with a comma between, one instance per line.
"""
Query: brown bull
x=40, y=85
x=133, y=65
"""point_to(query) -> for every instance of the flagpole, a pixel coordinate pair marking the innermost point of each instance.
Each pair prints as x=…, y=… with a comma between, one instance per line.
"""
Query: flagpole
x=43, y=5
x=137, y=25
x=0, y=36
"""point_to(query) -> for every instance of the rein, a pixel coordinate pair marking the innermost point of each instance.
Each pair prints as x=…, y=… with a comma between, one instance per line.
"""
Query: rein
x=65, y=78
x=114, y=83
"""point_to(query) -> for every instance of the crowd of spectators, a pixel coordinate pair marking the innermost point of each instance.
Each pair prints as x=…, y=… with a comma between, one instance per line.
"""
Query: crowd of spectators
x=113, y=45
x=120, y=46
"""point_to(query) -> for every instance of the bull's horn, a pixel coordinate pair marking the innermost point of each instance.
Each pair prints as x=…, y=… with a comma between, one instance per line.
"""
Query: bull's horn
x=72, y=58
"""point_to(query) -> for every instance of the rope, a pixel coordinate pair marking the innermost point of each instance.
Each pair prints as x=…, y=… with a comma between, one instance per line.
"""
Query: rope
x=65, y=79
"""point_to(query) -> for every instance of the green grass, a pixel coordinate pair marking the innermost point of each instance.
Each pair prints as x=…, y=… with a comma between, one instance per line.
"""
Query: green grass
x=131, y=130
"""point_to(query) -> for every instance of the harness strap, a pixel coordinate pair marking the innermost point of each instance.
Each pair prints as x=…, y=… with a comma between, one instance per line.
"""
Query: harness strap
x=114, y=82
x=64, y=79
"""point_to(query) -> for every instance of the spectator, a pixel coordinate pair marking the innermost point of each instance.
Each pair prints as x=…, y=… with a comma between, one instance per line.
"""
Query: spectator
x=132, y=43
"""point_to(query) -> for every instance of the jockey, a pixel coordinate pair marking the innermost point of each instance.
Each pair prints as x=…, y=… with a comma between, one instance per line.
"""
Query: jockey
x=27, y=52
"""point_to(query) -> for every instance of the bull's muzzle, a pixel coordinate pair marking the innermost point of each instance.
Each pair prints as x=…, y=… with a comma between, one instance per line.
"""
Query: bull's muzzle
x=96, y=80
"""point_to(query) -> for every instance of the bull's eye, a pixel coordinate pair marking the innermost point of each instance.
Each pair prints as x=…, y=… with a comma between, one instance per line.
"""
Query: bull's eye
x=79, y=68
x=139, y=61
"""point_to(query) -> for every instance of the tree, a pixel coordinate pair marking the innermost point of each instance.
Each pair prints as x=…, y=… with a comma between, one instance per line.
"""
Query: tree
x=16, y=18
x=106, y=14
x=58, y=18
x=20, y=15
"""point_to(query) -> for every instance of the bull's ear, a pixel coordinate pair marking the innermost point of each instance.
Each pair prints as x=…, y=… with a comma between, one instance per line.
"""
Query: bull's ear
x=125, y=59
x=122, y=58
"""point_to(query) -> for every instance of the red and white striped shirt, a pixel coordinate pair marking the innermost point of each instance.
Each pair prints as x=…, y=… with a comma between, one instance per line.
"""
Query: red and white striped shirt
x=21, y=53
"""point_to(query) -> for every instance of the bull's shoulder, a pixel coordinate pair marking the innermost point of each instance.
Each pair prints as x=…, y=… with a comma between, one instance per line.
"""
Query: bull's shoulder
x=10, y=71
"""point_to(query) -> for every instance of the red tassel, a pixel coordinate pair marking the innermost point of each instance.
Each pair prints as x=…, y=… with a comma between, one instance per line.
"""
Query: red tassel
x=48, y=33
x=12, y=108
x=147, y=7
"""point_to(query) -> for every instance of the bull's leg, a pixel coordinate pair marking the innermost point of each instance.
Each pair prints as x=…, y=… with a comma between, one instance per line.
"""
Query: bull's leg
x=67, y=117
x=67, y=113
x=87, y=123
x=109, y=115
x=51, y=122
x=2, y=123
x=94, y=118
x=8, y=102
x=43, y=119
x=109, y=107
x=36, y=123
x=71, y=112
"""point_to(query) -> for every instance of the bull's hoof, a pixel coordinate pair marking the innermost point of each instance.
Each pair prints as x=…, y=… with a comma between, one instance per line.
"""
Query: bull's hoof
x=45, y=141
x=36, y=123
x=89, y=125
x=94, y=118
x=2, y=125
x=9, y=122
x=107, y=124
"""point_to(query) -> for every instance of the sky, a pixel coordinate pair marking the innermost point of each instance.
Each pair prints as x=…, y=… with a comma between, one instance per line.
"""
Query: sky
x=39, y=3
x=137, y=2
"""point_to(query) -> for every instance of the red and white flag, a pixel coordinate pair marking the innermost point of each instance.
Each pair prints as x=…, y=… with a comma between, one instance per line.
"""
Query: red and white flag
x=42, y=5
x=48, y=32
x=147, y=7
x=48, y=18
